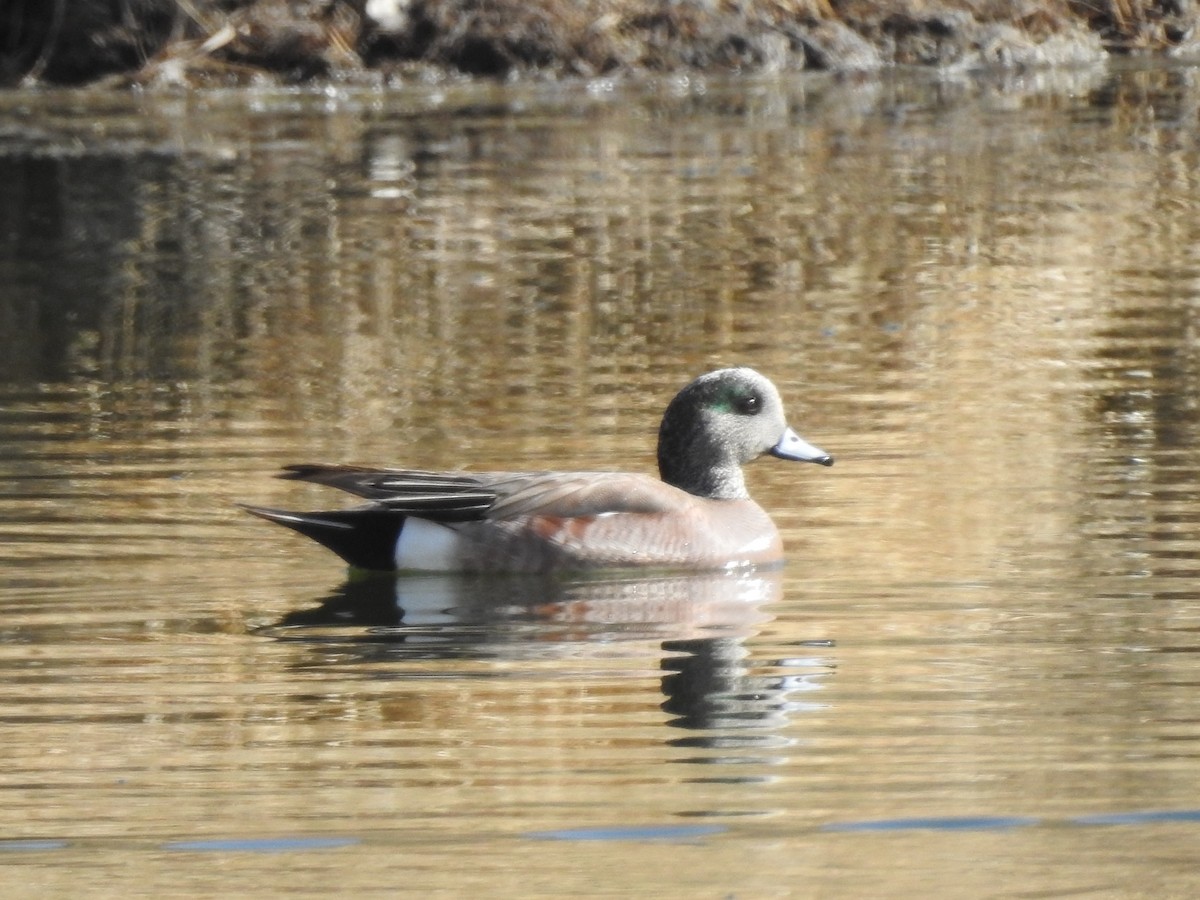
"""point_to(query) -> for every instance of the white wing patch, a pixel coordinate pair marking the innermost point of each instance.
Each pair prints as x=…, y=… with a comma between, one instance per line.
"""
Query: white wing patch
x=427, y=547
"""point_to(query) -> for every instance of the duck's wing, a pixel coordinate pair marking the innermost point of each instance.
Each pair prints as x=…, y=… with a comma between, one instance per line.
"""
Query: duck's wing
x=576, y=494
x=471, y=496
x=438, y=496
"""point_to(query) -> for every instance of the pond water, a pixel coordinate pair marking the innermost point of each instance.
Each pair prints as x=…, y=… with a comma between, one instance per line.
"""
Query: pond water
x=978, y=673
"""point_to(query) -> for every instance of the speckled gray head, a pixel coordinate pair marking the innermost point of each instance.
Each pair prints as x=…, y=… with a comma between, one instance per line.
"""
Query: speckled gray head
x=719, y=422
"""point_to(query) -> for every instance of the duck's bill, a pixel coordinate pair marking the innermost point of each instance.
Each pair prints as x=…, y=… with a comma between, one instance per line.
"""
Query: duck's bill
x=792, y=446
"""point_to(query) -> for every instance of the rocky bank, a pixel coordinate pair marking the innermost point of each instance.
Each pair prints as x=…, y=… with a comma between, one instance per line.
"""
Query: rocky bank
x=189, y=42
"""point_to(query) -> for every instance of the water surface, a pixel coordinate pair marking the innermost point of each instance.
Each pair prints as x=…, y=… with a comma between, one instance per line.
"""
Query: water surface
x=976, y=675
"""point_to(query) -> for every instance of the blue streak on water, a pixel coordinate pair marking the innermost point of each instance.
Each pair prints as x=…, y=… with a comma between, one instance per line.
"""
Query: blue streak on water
x=653, y=832
x=646, y=833
x=935, y=823
x=31, y=845
x=997, y=823
x=262, y=845
x=1140, y=818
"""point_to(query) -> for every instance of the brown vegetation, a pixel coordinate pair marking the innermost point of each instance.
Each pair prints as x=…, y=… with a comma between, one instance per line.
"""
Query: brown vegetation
x=197, y=41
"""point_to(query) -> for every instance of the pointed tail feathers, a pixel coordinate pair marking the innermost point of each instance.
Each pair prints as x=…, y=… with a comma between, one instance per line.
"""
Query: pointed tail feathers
x=364, y=538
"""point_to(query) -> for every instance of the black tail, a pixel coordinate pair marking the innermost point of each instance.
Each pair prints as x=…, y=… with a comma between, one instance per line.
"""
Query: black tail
x=365, y=538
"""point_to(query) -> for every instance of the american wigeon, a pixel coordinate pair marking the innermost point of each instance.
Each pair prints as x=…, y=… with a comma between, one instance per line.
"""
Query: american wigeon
x=698, y=517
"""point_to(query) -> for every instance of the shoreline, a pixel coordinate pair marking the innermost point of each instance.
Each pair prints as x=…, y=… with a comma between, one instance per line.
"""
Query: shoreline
x=173, y=43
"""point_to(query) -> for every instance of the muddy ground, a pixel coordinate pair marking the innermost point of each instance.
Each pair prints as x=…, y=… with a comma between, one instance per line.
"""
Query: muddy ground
x=182, y=42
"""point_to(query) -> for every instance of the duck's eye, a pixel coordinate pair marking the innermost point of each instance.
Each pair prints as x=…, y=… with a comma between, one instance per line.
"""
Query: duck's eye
x=749, y=405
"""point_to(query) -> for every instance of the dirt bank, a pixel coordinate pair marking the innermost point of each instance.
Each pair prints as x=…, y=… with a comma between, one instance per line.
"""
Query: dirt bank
x=166, y=42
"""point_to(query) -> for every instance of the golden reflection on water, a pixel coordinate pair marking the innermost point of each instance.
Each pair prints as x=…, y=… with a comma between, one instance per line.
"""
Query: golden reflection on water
x=979, y=297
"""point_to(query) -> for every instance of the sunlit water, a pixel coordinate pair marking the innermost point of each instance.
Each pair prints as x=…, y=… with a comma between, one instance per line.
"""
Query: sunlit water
x=977, y=674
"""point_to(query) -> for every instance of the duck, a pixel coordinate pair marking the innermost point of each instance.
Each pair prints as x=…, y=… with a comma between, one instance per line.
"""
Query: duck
x=696, y=516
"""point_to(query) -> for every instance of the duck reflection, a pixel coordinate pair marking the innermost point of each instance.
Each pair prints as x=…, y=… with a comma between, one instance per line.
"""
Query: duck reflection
x=515, y=617
x=734, y=708
x=693, y=626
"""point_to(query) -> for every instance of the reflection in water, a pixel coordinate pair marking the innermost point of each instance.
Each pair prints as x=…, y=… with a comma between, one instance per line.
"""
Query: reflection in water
x=515, y=617
x=1144, y=513
x=698, y=625
x=714, y=685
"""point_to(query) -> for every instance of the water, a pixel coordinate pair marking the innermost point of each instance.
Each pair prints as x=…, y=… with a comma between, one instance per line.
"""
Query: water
x=974, y=677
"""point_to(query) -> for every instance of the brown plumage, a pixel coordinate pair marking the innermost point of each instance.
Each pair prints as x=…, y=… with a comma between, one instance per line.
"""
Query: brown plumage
x=699, y=516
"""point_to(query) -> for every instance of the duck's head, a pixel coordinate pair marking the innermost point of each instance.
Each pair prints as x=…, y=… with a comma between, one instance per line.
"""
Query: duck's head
x=718, y=423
